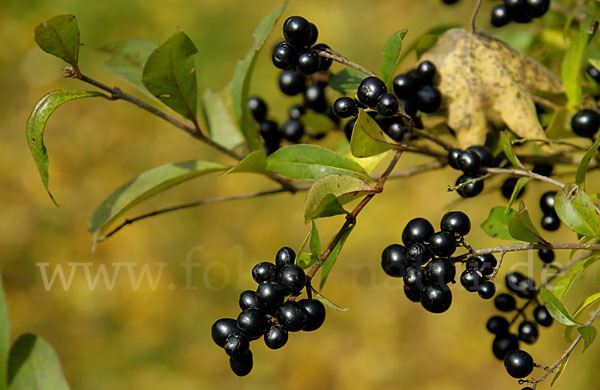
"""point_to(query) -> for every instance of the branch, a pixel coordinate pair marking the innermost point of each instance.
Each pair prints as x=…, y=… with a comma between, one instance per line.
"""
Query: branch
x=343, y=60
x=474, y=15
x=530, y=246
x=432, y=137
x=520, y=172
x=548, y=141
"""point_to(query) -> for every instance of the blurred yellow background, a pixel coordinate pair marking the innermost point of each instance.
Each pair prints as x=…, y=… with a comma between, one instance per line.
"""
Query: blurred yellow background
x=160, y=338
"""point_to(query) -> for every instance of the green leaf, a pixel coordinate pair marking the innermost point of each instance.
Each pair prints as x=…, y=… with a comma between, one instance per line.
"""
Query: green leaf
x=595, y=63
x=518, y=187
x=508, y=151
x=571, y=68
x=242, y=75
x=575, y=208
x=496, y=224
x=588, y=333
x=311, y=162
x=128, y=59
x=390, y=57
x=255, y=162
x=559, y=371
x=144, y=186
x=36, y=124
x=560, y=126
x=315, y=242
x=4, y=337
x=563, y=285
x=347, y=80
x=170, y=75
x=521, y=228
x=305, y=260
x=585, y=162
x=33, y=365
x=367, y=138
x=328, y=303
x=59, y=36
x=557, y=310
x=317, y=122
x=220, y=124
x=587, y=302
x=331, y=260
x=327, y=196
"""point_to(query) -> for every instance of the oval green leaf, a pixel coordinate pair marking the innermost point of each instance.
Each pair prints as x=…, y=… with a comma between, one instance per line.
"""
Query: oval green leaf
x=496, y=224
x=367, y=137
x=311, y=162
x=517, y=190
x=170, y=75
x=255, y=162
x=218, y=116
x=347, y=80
x=36, y=124
x=521, y=228
x=390, y=57
x=571, y=68
x=59, y=36
x=128, y=59
x=33, y=365
x=144, y=186
x=585, y=162
x=242, y=75
x=588, y=334
x=328, y=303
x=333, y=256
x=576, y=210
x=587, y=302
x=557, y=310
x=563, y=285
x=315, y=242
x=509, y=152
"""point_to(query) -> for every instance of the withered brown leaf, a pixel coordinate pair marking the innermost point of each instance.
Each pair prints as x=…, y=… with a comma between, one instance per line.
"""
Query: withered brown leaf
x=481, y=78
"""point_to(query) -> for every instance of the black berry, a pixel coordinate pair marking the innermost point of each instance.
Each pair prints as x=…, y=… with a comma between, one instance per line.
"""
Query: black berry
x=269, y=131
x=236, y=344
x=442, y=243
x=414, y=278
x=453, y=158
x=487, y=290
x=426, y=72
x=291, y=278
x=419, y=253
x=405, y=86
x=291, y=82
x=413, y=294
x=276, y=336
x=222, y=329
x=297, y=31
x=542, y=316
x=293, y=130
x=394, y=128
x=508, y=188
x=550, y=222
x=248, y=300
x=505, y=302
x=497, y=325
x=296, y=111
x=285, y=256
x=500, y=16
x=417, y=230
x=252, y=323
x=546, y=255
x=518, y=364
x=314, y=98
x=585, y=123
x=436, y=299
x=410, y=108
x=264, y=271
x=547, y=202
x=394, y=260
x=369, y=91
x=269, y=296
x=469, y=162
x=292, y=316
x=503, y=344
x=516, y=10
x=315, y=314
x=470, y=279
x=470, y=190
x=241, y=365
x=308, y=62
x=325, y=63
x=428, y=99
x=258, y=108
x=543, y=169
x=484, y=155
x=593, y=72
x=348, y=128
x=440, y=271
x=486, y=263
x=536, y=8
x=285, y=56
x=314, y=34
x=345, y=107
x=528, y=332
x=387, y=104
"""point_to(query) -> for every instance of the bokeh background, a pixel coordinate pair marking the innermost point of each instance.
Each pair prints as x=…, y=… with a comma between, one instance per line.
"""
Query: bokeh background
x=147, y=338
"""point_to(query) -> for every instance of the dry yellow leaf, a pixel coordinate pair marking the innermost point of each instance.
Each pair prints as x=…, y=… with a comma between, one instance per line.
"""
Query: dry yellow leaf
x=481, y=78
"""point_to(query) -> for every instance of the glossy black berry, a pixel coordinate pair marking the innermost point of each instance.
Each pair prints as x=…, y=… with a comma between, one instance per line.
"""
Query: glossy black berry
x=528, y=332
x=252, y=323
x=248, y=300
x=453, y=158
x=470, y=279
x=546, y=255
x=414, y=278
x=296, y=111
x=258, y=108
x=469, y=162
x=285, y=256
x=413, y=294
x=236, y=344
x=292, y=316
x=292, y=130
x=504, y=344
x=500, y=16
x=517, y=11
x=440, y=271
x=505, y=302
x=291, y=82
x=542, y=316
x=417, y=230
x=314, y=98
x=428, y=99
x=325, y=63
x=487, y=160
x=547, y=202
x=497, y=325
x=345, y=107
x=315, y=314
x=536, y=8
x=222, y=329
x=285, y=56
x=276, y=336
x=269, y=130
x=369, y=91
x=442, y=244
x=297, y=31
x=394, y=260
x=526, y=288
x=550, y=222
x=241, y=365
x=518, y=364
x=348, y=128
x=470, y=190
x=410, y=108
x=419, y=253
x=269, y=296
x=264, y=271
x=543, y=169
x=291, y=278
x=487, y=290
x=486, y=263
x=405, y=86
x=593, y=72
x=387, y=104
x=314, y=34
x=513, y=280
x=308, y=62
x=394, y=128
x=508, y=187
x=436, y=299
x=426, y=72
x=585, y=123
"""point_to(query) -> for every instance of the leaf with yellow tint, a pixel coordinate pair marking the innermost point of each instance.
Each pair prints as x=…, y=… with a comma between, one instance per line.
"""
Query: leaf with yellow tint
x=481, y=78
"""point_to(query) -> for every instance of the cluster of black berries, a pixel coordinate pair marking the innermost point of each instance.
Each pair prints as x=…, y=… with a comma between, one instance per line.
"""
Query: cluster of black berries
x=470, y=162
x=505, y=346
x=508, y=186
x=266, y=313
x=550, y=220
x=424, y=262
x=586, y=123
x=520, y=11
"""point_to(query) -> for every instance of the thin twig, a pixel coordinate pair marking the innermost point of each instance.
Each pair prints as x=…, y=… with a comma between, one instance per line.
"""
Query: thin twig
x=337, y=57
x=545, y=102
x=474, y=15
x=523, y=173
x=436, y=164
x=548, y=141
x=432, y=137
x=531, y=246
x=497, y=268
x=468, y=182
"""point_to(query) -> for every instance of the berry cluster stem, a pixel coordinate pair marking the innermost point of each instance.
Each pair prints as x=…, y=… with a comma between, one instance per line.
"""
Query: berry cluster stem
x=525, y=173
x=474, y=15
x=337, y=57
